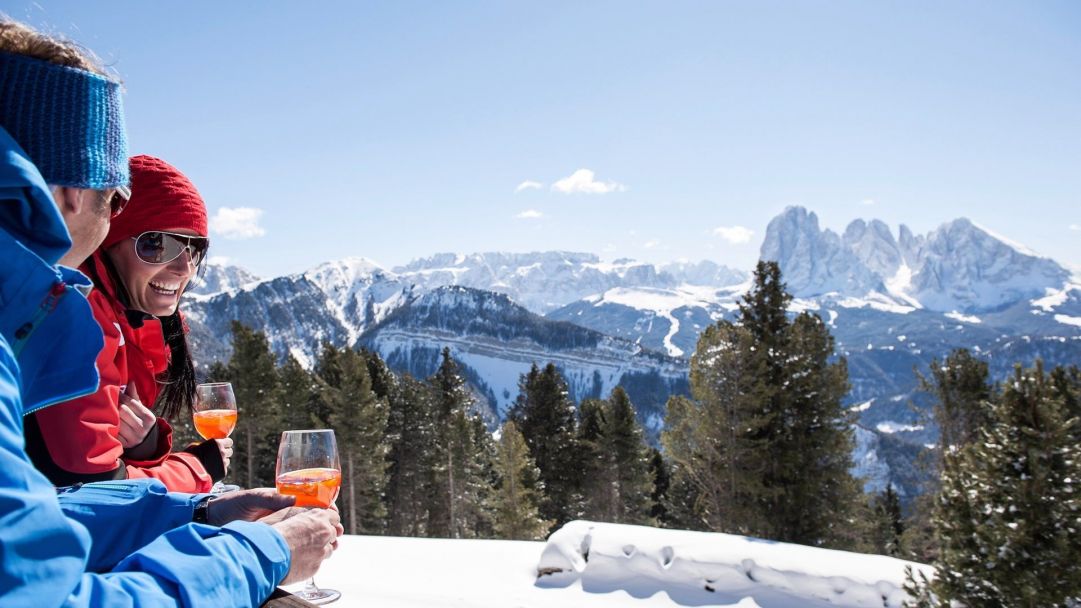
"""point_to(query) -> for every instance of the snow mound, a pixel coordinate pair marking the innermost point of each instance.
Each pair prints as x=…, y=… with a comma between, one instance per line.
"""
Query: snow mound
x=697, y=567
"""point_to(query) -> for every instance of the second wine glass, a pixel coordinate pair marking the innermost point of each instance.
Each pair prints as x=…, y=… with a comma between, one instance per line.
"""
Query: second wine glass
x=308, y=468
x=214, y=415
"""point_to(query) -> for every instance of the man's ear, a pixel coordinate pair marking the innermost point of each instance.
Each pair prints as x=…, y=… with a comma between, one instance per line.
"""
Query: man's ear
x=70, y=200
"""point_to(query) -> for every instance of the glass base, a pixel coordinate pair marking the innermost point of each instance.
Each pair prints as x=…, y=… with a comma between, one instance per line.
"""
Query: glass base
x=318, y=596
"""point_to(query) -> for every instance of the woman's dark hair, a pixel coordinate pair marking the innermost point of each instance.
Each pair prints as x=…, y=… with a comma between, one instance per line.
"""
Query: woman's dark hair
x=178, y=380
x=178, y=393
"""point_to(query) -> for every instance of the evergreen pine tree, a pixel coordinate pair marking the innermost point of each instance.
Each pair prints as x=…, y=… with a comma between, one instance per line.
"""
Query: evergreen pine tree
x=658, y=497
x=384, y=382
x=766, y=402
x=888, y=523
x=359, y=420
x=820, y=504
x=599, y=499
x=682, y=502
x=625, y=442
x=254, y=374
x=713, y=439
x=544, y=414
x=480, y=513
x=410, y=434
x=298, y=389
x=1009, y=513
x=962, y=392
x=517, y=494
x=457, y=484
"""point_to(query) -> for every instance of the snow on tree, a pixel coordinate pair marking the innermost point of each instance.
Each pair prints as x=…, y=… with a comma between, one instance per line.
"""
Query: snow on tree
x=1009, y=512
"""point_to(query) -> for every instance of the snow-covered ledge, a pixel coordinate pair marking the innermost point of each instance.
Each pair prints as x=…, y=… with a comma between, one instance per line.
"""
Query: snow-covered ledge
x=696, y=568
x=627, y=566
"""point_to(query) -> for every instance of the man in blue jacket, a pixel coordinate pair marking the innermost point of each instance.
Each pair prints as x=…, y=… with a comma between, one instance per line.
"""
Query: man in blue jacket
x=117, y=543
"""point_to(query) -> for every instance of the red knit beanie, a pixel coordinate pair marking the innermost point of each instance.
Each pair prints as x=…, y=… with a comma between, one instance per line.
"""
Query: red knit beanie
x=161, y=199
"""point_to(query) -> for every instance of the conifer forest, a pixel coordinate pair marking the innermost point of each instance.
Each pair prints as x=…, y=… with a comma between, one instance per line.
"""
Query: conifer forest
x=762, y=446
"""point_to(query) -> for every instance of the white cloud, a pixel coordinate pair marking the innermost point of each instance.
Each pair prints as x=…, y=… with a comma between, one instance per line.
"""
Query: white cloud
x=528, y=185
x=651, y=244
x=219, y=260
x=1075, y=226
x=734, y=234
x=530, y=214
x=583, y=181
x=868, y=202
x=609, y=248
x=237, y=222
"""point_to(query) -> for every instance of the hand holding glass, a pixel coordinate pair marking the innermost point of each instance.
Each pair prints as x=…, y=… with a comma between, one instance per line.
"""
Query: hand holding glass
x=308, y=468
x=214, y=415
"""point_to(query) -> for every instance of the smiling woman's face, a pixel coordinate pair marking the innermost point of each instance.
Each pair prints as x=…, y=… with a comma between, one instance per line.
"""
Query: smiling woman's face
x=154, y=289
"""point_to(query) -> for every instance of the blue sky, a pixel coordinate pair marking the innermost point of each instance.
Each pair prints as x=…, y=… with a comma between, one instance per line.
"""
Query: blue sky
x=395, y=130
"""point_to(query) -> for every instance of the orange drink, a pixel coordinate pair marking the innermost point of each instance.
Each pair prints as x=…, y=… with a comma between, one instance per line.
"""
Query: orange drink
x=312, y=487
x=214, y=424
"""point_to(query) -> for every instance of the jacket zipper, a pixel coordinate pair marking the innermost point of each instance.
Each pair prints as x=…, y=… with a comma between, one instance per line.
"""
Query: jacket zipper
x=61, y=399
x=94, y=485
x=26, y=330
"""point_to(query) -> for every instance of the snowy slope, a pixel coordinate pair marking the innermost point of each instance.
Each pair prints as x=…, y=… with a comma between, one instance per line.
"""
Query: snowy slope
x=500, y=340
x=597, y=564
x=668, y=320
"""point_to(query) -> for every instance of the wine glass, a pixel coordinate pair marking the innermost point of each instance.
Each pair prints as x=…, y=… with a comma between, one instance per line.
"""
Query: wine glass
x=308, y=468
x=214, y=415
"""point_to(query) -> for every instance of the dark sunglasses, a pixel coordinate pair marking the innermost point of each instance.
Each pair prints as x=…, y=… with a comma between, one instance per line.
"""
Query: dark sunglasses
x=163, y=247
x=117, y=199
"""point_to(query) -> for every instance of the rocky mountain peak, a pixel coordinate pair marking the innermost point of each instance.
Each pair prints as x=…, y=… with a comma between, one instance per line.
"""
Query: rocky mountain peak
x=963, y=266
x=874, y=245
x=815, y=261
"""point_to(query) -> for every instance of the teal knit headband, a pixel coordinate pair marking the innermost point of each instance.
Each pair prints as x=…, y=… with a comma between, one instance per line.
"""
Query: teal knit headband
x=69, y=121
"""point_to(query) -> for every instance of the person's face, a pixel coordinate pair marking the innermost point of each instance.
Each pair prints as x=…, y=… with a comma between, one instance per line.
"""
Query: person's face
x=153, y=288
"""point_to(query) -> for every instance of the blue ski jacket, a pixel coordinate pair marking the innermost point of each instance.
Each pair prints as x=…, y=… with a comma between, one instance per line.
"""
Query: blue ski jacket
x=123, y=543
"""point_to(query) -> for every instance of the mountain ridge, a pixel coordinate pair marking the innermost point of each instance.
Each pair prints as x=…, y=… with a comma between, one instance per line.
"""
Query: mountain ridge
x=893, y=304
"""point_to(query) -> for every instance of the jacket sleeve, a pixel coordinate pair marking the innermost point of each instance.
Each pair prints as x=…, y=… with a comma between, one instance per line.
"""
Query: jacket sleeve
x=248, y=559
x=97, y=505
x=81, y=436
x=43, y=554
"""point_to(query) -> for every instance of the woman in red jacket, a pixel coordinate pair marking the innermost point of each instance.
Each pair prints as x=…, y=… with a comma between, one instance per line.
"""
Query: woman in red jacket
x=153, y=249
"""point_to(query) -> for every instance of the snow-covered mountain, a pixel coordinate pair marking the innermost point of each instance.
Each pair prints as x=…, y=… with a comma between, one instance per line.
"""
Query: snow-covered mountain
x=356, y=303
x=334, y=302
x=218, y=276
x=959, y=266
x=545, y=281
x=497, y=341
x=816, y=261
x=893, y=303
x=964, y=267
